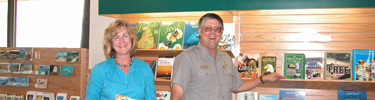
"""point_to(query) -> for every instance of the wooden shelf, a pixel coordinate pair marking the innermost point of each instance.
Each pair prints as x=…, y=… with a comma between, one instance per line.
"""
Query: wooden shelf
x=321, y=84
x=163, y=85
x=301, y=84
x=165, y=52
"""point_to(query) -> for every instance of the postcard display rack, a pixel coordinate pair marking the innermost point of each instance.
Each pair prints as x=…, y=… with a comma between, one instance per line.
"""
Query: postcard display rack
x=74, y=85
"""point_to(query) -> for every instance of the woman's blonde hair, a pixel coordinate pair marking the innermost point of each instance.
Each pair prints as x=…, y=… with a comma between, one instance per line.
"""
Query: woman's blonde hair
x=111, y=31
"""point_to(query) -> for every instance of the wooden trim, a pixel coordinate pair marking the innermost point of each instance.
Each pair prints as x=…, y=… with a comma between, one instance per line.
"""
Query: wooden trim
x=279, y=28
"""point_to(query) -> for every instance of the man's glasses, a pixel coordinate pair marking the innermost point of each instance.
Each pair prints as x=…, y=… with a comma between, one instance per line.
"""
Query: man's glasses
x=209, y=29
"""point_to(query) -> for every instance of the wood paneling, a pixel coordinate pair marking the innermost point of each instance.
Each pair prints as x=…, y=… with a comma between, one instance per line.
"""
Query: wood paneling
x=327, y=11
x=275, y=32
x=277, y=28
x=306, y=46
x=74, y=85
x=279, y=19
x=291, y=37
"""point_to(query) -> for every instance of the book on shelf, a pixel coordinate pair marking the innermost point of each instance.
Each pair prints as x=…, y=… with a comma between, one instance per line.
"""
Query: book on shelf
x=337, y=66
x=13, y=55
x=41, y=83
x=19, y=97
x=363, y=64
x=48, y=96
x=21, y=53
x=248, y=65
x=18, y=81
x=148, y=34
x=292, y=94
x=314, y=68
x=43, y=69
x=4, y=67
x=163, y=95
x=3, y=97
x=268, y=65
x=31, y=95
x=26, y=68
x=74, y=98
x=39, y=95
x=267, y=96
x=247, y=95
x=153, y=64
x=294, y=66
x=14, y=67
x=191, y=36
x=4, y=55
x=228, y=36
x=66, y=71
x=73, y=57
x=351, y=95
x=25, y=53
x=10, y=97
x=61, y=96
x=3, y=81
x=67, y=56
x=61, y=56
x=54, y=70
x=171, y=35
x=164, y=68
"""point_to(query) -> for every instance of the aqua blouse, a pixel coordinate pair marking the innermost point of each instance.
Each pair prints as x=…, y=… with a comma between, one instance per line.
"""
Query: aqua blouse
x=106, y=80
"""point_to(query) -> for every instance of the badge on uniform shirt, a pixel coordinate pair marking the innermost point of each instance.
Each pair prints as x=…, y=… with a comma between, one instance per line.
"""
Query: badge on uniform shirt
x=205, y=66
x=226, y=64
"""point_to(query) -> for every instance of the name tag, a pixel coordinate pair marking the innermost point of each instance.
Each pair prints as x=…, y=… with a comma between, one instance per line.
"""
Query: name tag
x=205, y=66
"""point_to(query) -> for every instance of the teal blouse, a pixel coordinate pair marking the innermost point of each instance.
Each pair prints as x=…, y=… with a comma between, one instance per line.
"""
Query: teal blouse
x=106, y=80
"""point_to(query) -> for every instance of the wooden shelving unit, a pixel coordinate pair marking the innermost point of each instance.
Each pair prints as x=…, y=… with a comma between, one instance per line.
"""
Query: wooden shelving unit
x=322, y=84
x=275, y=32
x=300, y=84
x=74, y=85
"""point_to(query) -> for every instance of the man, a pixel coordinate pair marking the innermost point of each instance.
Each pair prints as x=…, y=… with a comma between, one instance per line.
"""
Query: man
x=203, y=72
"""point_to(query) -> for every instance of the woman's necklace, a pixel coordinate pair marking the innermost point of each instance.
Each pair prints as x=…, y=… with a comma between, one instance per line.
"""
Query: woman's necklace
x=122, y=65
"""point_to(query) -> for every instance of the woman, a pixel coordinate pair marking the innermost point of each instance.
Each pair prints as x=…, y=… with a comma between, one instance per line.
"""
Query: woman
x=121, y=73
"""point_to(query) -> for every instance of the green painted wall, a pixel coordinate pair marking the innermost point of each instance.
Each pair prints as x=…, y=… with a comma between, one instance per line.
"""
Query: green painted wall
x=147, y=6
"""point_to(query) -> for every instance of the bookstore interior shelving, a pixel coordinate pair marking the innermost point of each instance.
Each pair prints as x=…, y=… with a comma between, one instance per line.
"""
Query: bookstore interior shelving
x=275, y=32
x=74, y=85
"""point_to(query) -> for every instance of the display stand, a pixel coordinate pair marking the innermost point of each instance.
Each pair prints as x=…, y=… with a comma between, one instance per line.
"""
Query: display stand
x=74, y=85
